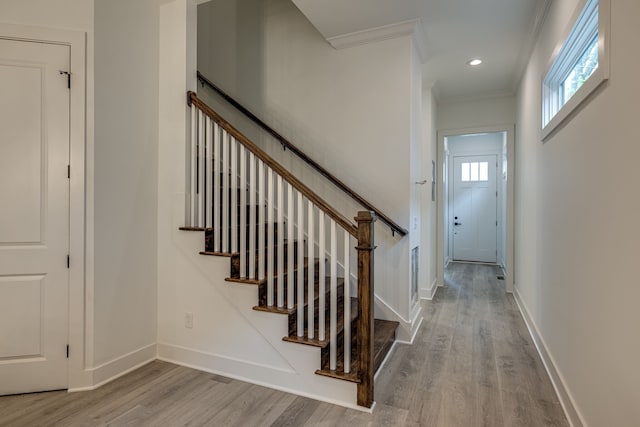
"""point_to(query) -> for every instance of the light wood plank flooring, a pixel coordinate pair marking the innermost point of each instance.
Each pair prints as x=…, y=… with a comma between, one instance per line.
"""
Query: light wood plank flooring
x=472, y=364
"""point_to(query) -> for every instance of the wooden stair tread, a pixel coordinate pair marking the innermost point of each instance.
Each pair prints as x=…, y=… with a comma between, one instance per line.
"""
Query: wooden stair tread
x=384, y=335
x=191, y=228
x=211, y=253
x=383, y=339
x=315, y=342
x=293, y=311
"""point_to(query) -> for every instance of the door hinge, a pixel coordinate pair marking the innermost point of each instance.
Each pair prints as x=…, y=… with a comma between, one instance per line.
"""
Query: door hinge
x=68, y=261
x=68, y=74
x=69, y=171
x=67, y=351
x=496, y=223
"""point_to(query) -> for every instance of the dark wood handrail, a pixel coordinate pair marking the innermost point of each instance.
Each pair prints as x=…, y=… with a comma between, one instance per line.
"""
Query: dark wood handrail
x=192, y=98
x=395, y=228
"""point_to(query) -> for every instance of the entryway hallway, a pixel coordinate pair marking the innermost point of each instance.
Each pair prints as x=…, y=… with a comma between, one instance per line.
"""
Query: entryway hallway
x=472, y=364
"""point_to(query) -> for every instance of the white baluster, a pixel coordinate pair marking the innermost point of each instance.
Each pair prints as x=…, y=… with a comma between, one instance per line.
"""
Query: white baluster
x=217, y=188
x=242, y=154
x=300, y=313
x=201, y=168
x=208, y=195
x=261, y=222
x=333, y=307
x=252, y=216
x=311, y=278
x=280, y=257
x=290, y=255
x=234, y=195
x=322, y=278
x=270, y=240
x=347, y=304
x=225, y=191
x=193, y=167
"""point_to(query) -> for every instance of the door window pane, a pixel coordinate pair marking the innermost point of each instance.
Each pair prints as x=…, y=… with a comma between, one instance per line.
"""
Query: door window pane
x=474, y=171
x=465, y=172
x=484, y=171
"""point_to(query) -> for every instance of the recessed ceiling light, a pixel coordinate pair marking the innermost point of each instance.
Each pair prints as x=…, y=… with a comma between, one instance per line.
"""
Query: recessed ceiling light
x=474, y=62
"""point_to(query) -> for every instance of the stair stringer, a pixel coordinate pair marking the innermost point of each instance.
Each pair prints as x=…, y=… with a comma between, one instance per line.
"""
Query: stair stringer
x=296, y=372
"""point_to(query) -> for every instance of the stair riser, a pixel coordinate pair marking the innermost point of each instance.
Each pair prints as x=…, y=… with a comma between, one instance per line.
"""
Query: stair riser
x=262, y=289
x=210, y=236
x=235, y=260
x=293, y=318
x=325, y=352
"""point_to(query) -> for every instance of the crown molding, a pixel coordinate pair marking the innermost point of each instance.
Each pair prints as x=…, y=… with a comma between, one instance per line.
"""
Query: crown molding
x=412, y=27
x=535, y=27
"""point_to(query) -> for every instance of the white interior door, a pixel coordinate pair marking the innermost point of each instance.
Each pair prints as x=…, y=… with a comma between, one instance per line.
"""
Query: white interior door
x=34, y=216
x=474, y=215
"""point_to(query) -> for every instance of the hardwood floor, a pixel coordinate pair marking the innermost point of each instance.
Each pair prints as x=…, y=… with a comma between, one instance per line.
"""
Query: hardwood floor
x=472, y=364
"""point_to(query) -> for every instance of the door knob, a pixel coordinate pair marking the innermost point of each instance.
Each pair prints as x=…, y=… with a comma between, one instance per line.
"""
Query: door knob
x=457, y=223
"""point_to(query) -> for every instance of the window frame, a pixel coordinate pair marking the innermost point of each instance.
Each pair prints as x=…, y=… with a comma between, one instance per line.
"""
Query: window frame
x=573, y=45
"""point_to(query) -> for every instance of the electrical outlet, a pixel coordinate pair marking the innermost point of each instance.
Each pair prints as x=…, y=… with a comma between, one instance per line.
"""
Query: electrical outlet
x=188, y=320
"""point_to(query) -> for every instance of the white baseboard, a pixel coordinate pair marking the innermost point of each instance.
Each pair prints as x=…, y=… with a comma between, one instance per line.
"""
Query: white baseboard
x=428, y=294
x=566, y=400
x=241, y=371
x=120, y=366
x=408, y=327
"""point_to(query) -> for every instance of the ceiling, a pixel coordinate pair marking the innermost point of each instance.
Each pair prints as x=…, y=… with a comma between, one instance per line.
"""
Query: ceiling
x=501, y=32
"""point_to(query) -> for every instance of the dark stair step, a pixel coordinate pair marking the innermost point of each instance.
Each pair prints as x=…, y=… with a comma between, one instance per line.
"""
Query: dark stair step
x=235, y=258
x=384, y=334
x=210, y=234
x=315, y=342
x=293, y=313
x=263, y=288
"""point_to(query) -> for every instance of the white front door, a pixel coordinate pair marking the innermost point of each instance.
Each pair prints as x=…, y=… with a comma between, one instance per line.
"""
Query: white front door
x=34, y=216
x=474, y=220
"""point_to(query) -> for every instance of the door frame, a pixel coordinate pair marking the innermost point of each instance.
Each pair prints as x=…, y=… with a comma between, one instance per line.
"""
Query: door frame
x=451, y=198
x=441, y=202
x=80, y=311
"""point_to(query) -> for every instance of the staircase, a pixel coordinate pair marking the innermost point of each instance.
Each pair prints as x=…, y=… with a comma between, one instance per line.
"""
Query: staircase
x=292, y=245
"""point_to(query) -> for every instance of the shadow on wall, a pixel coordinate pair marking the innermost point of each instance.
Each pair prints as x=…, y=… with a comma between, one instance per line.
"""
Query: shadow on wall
x=231, y=48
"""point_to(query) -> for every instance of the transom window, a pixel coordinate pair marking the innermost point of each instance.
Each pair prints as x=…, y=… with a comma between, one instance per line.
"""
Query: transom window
x=579, y=67
x=475, y=171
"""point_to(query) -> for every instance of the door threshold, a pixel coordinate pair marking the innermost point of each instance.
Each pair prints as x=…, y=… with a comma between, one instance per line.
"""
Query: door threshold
x=476, y=262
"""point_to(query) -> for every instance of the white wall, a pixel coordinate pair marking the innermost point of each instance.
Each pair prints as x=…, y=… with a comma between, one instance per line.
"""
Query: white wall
x=61, y=14
x=477, y=112
x=577, y=237
x=126, y=162
x=429, y=222
x=350, y=110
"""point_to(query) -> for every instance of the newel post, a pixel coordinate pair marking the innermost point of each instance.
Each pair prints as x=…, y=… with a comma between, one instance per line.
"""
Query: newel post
x=365, y=248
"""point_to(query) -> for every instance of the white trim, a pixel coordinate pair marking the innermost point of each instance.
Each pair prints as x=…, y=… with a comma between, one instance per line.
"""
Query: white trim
x=540, y=17
x=384, y=32
x=408, y=327
x=79, y=308
x=203, y=358
x=391, y=313
x=599, y=76
x=569, y=406
x=440, y=255
x=120, y=366
x=386, y=359
x=428, y=294
x=212, y=363
x=414, y=333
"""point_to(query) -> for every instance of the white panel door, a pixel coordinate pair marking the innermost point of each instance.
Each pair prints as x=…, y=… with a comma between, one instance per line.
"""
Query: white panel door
x=34, y=216
x=475, y=230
